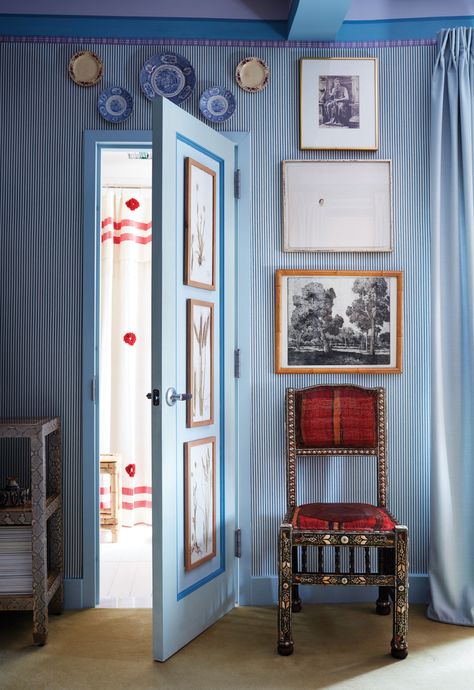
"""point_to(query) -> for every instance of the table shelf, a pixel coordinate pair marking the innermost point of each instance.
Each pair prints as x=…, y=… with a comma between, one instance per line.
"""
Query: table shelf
x=43, y=514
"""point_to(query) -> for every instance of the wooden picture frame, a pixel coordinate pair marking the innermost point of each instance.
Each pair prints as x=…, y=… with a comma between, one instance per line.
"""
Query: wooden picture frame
x=200, y=502
x=200, y=363
x=337, y=205
x=339, y=103
x=333, y=322
x=200, y=226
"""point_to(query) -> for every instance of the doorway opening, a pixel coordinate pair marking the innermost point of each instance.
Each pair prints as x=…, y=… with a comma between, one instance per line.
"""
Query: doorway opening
x=124, y=330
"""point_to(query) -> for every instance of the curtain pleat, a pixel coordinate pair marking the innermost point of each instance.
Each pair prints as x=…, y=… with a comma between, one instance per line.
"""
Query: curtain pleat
x=451, y=567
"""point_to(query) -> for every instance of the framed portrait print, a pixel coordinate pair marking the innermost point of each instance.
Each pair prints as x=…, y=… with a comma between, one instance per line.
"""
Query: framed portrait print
x=200, y=363
x=338, y=103
x=336, y=206
x=200, y=502
x=200, y=225
x=338, y=322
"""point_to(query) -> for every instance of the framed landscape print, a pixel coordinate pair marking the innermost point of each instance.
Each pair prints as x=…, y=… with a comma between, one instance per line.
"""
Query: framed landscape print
x=200, y=502
x=336, y=206
x=200, y=363
x=338, y=321
x=339, y=103
x=200, y=225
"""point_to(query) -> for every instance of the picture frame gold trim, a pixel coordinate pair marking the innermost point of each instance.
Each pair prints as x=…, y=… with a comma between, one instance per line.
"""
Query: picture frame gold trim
x=191, y=166
x=342, y=137
x=191, y=386
x=282, y=338
x=188, y=562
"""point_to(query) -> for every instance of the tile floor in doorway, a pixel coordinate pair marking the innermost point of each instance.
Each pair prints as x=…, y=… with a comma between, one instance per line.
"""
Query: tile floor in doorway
x=125, y=568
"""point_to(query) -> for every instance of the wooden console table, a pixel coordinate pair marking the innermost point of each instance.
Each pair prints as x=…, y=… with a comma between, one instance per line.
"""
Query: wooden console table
x=44, y=514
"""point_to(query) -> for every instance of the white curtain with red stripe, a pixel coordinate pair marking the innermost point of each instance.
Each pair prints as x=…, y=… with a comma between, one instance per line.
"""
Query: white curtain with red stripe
x=125, y=341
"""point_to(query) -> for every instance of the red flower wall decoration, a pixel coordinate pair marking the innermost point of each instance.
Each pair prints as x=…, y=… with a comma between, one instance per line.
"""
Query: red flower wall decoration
x=132, y=204
x=130, y=470
x=130, y=338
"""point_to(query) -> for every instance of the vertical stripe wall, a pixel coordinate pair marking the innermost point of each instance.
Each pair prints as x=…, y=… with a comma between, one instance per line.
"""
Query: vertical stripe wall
x=42, y=118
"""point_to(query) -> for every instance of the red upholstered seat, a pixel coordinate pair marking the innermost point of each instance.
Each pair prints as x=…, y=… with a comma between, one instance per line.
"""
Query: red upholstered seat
x=336, y=417
x=348, y=517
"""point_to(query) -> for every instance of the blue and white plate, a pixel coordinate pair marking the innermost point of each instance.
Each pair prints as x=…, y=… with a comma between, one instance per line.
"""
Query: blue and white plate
x=217, y=104
x=115, y=104
x=169, y=75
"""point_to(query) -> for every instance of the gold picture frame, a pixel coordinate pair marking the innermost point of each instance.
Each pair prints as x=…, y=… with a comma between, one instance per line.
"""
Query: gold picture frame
x=200, y=502
x=339, y=103
x=334, y=322
x=199, y=226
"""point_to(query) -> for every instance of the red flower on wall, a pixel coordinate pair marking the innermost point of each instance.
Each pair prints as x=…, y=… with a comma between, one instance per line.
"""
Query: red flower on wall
x=130, y=469
x=130, y=338
x=132, y=204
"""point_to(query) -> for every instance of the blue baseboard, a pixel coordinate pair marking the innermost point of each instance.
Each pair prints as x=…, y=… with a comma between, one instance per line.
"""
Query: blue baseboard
x=73, y=598
x=264, y=592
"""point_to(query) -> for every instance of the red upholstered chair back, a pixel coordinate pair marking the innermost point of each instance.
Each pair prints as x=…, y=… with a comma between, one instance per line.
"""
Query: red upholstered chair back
x=335, y=420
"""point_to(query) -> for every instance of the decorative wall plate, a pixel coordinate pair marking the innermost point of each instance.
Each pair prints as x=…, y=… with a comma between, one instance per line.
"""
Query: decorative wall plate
x=252, y=74
x=85, y=68
x=217, y=104
x=115, y=104
x=169, y=75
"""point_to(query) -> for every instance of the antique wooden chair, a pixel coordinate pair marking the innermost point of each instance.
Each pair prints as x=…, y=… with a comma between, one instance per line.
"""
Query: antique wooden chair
x=350, y=422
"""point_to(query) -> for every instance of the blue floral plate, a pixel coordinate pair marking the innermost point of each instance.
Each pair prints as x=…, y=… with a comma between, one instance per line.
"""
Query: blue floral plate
x=115, y=104
x=169, y=75
x=217, y=104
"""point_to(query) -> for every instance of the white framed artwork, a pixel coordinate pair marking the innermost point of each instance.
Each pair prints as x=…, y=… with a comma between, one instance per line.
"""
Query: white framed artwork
x=337, y=206
x=200, y=362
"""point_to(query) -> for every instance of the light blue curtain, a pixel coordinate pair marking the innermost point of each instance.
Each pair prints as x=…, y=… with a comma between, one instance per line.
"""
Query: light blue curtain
x=452, y=362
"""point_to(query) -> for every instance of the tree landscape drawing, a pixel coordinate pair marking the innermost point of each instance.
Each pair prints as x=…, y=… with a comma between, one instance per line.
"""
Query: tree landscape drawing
x=340, y=321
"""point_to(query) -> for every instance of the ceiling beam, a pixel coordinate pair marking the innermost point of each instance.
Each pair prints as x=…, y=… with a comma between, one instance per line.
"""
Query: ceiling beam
x=316, y=20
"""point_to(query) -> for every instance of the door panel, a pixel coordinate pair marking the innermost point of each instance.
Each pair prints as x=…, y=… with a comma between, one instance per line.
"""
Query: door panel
x=185, y=602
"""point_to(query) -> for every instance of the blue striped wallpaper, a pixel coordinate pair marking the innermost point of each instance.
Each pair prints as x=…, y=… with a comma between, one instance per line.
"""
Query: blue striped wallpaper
x=42, y=117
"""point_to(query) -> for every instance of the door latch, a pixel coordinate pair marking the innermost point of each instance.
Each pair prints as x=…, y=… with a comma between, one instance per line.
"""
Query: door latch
x=154, y=396
x=173, y=397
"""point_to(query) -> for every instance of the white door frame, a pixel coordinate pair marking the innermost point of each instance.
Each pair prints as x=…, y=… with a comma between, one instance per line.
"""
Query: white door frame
x=84, y=593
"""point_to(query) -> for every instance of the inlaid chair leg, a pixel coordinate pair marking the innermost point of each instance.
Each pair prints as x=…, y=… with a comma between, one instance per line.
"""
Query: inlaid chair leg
x=296, y=601
x=285, y=570
x=400, y=605
x=382, y=605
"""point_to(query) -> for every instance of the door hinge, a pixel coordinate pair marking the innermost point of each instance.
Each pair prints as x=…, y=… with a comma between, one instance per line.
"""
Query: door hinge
x=237, y=363
x=237, y=184
x=238, y=543
x=93, y=389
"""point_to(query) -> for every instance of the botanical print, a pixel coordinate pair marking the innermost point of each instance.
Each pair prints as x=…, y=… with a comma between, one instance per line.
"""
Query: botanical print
x=340, y=322
x=200, y=365
x=200, y=519
x=200, y=225
x=339, y=101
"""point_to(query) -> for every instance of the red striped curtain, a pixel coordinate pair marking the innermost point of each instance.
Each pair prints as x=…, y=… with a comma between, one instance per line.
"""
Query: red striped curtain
x=125, y=339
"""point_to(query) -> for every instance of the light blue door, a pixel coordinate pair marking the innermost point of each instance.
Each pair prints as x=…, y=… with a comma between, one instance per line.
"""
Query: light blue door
x=193, y=446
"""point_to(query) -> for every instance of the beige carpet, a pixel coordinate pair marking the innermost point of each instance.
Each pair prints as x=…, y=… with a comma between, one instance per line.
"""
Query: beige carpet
x=343, y=646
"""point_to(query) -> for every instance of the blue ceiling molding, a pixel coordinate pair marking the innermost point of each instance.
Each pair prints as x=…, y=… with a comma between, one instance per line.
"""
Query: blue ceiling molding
x=141, y=27
x=399, y=29
x=124, y=29
x=316, y=21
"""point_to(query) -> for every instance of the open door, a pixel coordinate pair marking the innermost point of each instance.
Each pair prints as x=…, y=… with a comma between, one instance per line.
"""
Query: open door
x=193, y=442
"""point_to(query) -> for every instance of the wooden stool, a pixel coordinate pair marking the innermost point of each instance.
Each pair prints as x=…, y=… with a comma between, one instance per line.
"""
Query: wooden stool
x=110, y=465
